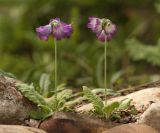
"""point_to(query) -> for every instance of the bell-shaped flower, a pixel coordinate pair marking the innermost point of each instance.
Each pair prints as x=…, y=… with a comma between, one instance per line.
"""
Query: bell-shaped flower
x=104, y=28
x=56, y=28
x=60, y=29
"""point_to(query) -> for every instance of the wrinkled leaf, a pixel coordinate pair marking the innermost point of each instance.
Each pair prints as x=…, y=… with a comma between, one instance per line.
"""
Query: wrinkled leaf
x=75, y=101
x=124, y=104
x=29, y=92
x=56, y=103
x=94, y=99
x=110, y=107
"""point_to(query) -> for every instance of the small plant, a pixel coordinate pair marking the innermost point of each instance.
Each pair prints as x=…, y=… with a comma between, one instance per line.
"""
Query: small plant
x=59, y=30
x=105, y=110
x=104, y=30
x=50, y=101
x=46, y=106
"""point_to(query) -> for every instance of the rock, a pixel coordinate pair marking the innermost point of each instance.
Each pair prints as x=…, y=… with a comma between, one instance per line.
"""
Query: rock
x=60, y=126
x=74, y=123
x=151, y=116
x=32, y=123
x=14, y=108
x=131, y=128
x=140, y=98
x=19, y=129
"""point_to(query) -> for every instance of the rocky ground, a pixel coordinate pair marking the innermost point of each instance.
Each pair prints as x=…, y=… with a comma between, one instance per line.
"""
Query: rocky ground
x=14, y=110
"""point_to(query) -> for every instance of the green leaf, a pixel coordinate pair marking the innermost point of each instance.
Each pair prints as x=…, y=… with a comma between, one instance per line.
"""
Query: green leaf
x=41, y=113
x=75, y=101
x=3, y=73
x=38, y=115
x=102, y=90
x=110, y=107
x=94, y=99
x=46, y=105
x=57, y=103
x=30, y=93
x=61, y=87
x=124, y=104
x=44, y=84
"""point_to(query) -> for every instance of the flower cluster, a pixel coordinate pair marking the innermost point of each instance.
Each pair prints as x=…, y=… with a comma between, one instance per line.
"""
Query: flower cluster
x=56, y=28
x=103, y=28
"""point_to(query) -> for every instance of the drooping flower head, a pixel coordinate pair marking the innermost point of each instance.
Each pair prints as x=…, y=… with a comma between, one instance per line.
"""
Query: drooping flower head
x=56, y=28
x=104, y=28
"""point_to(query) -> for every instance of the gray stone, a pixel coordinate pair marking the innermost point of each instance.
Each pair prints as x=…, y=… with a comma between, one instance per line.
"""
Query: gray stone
x=14, y=108
x=151, y=116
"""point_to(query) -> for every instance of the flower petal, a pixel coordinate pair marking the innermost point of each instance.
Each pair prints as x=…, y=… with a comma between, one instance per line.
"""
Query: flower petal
x=62, y=30
x=110, y=28
x=93, y=23
x=109, y=37
x=98, y=28
x=43, y=32
x=102, y=36
x=68, y=30
x=55, y=20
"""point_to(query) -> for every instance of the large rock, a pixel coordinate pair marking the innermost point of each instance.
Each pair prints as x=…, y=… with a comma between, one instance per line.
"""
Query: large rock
x=131, y=128
x=151, y=116
x=19, y=129
x=14, y=108
x=140, y=98
x=74, y=123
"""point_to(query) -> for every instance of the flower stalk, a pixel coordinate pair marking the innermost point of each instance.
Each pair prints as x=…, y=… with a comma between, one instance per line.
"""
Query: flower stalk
x=55, y=65
x=105, y=70
x=58, y=30
x=104, y=30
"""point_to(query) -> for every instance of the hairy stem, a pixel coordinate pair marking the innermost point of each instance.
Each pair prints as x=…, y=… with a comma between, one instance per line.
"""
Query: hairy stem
x=55, y=65
x=105, y=70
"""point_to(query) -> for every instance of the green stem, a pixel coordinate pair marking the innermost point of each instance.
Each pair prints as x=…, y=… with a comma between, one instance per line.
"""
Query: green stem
x=55, y=65
x=105, y=70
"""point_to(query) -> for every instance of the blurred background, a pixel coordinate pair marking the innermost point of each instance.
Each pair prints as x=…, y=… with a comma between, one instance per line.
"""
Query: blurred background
x=133, y=55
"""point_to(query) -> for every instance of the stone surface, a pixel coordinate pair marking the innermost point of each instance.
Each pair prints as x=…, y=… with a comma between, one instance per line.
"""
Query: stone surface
x=14, y=108
x=131, y=128
x=140, y=98
x=19, y=129
x=151, y=116
x=74, y=123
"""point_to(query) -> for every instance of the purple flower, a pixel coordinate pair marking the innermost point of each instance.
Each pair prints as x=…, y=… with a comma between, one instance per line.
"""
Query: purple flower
x=93, y=23
x=104, y=28
x=60, y=29
x=56, y=28
x=44, y=32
